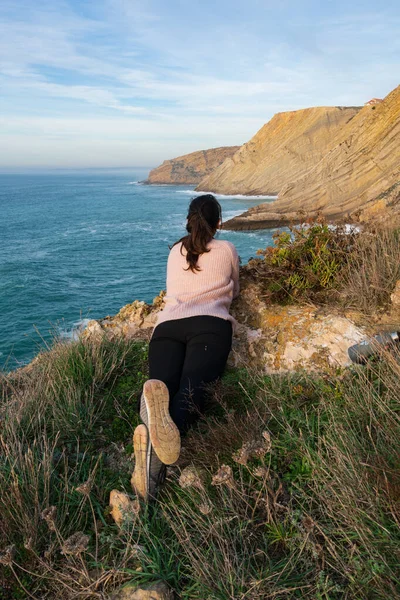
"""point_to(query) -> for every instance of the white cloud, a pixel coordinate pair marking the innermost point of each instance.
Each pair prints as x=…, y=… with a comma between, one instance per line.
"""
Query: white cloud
x=174, y=78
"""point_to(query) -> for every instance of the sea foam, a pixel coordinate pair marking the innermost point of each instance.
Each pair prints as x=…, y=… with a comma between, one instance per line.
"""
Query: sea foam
x=238, y=196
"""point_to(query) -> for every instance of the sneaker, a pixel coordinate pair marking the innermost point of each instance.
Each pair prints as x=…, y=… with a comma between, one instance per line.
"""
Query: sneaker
x=359, y=353
x=149, y=473
x=154, y=412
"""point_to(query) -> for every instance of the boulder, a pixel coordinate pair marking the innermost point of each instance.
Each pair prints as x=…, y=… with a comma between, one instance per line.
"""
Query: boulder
x=153, y=591
x=278, y=339
x=395, y=297
x=93, y=331
x=134, y=321
x=122, y=507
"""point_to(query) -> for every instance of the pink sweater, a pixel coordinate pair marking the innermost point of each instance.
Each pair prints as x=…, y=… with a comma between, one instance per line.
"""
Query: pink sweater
x=206, y=292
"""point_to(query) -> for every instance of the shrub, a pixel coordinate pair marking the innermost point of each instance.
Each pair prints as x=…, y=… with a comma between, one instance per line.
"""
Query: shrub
x=331, y=265
x=304, y=262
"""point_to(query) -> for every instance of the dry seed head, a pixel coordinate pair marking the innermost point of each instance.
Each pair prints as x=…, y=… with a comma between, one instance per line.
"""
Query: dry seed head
x=75, y=544
x=190, y=478
x=205, y=508
x=7, y=556
x=223, y=476
x=261, y=472
x=49, y=515
x=242, y=456
x=28, y=544
x=260, y=451
x=254, y=448
x=267, y=440
x=85, y=488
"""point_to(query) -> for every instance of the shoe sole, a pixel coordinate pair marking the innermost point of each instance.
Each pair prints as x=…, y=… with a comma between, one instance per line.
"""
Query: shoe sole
x=164, y=434
x=139, y=479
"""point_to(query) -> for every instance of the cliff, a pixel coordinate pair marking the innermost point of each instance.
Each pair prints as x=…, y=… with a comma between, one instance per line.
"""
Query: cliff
x=364, y=164
x=285, y=148
x=358, y=178
x=190, y=168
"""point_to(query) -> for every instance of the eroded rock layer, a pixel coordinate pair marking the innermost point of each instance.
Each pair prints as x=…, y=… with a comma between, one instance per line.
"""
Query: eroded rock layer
x=190, y=168
x=285, y=148
x=357, y=179
x=363, y=164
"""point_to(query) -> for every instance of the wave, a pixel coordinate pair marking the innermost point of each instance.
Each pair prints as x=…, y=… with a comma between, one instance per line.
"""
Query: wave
x=73, y=332
x=229, y=214
x=238, y=196
x=348, y=228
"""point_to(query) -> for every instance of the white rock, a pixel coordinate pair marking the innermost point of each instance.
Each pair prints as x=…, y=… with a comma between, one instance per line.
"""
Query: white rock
x=395, y=297
x=154, y=591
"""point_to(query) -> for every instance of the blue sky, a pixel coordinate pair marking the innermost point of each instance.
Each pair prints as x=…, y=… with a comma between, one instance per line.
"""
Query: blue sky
x=126, y=83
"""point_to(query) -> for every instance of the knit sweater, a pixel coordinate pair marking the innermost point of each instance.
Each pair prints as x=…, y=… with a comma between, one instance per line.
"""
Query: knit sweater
x=206, y=292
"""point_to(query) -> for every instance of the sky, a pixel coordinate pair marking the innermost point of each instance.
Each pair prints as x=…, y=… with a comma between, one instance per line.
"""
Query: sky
x=122, y=83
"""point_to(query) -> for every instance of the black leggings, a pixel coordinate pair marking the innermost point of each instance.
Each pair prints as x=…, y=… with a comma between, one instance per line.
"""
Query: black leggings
x=185, y=354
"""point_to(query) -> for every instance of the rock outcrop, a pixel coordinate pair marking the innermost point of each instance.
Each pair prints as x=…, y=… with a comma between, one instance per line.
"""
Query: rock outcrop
x=152, y=591
x=122, y=508
x=272, y=338
x=190, y=168
x=395, y=298
x=277, y=339
x=134, y=321
x=285, y=148
x=358, y=179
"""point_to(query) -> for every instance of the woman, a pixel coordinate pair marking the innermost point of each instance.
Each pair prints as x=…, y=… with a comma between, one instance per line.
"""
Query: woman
x=190, y=343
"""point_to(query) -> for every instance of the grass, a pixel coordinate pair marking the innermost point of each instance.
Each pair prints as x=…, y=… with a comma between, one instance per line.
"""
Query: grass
x=372, y=270
x=294, y=492
x=62, y=423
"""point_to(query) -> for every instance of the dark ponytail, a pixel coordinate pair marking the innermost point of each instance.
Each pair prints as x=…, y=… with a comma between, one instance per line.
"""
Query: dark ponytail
x=202, y=223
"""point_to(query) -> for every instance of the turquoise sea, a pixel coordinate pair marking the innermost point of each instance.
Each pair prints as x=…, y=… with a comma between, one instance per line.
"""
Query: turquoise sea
x=79, y=245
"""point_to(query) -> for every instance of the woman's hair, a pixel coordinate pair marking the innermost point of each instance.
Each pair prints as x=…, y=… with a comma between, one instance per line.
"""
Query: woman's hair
x=202, y=222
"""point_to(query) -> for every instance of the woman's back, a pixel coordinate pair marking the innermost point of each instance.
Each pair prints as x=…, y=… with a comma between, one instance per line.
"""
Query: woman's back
x=208, y=291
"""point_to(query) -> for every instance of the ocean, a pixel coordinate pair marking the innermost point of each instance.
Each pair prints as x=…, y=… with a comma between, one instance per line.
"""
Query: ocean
x=79, y=245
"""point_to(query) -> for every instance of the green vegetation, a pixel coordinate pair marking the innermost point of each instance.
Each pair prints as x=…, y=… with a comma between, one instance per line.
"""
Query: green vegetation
x=325, y=264
x=65, y=423
x=305, y=260
x=297, y=492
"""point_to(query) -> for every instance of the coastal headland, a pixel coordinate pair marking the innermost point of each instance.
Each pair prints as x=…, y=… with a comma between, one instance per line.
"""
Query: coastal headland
x=190, y=168
x=339, y=162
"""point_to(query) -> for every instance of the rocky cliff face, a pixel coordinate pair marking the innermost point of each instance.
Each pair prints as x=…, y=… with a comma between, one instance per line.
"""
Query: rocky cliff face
x=363, y=164
x=191, y=168
x=358, y=178
x=285, y=148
